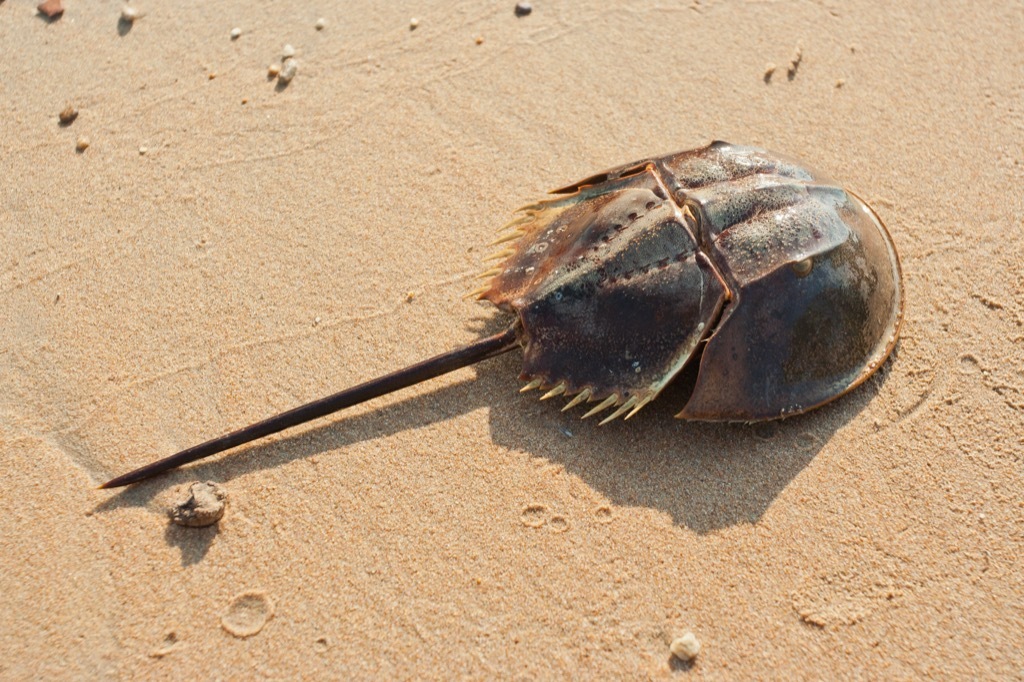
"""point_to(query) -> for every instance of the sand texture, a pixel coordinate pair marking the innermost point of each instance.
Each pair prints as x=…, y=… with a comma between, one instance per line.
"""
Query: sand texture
x=228, y=246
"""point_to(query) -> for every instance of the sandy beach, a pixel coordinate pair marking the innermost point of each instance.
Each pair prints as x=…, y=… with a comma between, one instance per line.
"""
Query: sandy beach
x=205, y=245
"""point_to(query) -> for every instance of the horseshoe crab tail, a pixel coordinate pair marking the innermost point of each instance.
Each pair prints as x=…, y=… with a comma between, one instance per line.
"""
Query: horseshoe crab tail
x=403, y=378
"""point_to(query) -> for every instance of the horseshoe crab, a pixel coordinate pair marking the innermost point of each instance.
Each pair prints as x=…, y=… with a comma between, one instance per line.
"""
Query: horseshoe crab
x=786, y=286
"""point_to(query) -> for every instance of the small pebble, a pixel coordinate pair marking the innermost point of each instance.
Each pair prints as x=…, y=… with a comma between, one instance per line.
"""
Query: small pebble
x=769, y=71
x=287, y=51
x=273, y=70
x=320, y=24
x=288, y=70
x=129, y=14
x=68, y=115
x=143, y=150
x=236, y=33
x=82, y=144
x=794, y=63
x=685, y=648
x=523, y=9
x=840, y=82
x=51, y=8
x=211, y=75
x=204, y=506
x=479, y=40
x=413, y=23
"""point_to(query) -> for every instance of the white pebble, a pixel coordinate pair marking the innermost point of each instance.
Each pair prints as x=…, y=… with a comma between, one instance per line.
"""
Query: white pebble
x=235, y=33
x=320, y=23
x=129, y=14
x=288, y=51
x=685, y=648
x=413, y=23
x=288, y=70
x=143, y=150
x=273, y=70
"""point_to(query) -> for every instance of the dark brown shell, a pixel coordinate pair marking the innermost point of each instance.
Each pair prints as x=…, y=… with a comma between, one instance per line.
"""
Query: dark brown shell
x=790, y=283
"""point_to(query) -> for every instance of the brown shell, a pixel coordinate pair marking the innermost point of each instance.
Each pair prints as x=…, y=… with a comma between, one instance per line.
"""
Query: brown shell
x=788, y=284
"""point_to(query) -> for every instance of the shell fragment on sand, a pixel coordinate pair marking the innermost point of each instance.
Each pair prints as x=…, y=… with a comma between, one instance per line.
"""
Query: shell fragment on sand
x=204, y=506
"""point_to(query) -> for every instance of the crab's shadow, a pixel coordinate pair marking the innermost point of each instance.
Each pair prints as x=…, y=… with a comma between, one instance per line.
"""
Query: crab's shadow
x=706, y=476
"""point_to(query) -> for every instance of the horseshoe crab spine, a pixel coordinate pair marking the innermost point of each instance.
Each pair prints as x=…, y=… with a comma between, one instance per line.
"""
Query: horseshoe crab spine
x=403, y=378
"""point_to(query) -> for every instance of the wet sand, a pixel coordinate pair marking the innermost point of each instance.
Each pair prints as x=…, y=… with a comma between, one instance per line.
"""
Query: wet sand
x=227, y=247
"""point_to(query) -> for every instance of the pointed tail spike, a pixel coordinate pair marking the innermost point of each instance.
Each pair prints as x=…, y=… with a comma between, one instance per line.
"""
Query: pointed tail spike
x=613, y=399
x=557, y=390
x=389, y=383
x=536, y=383
x=626, y=407
x=581, y=397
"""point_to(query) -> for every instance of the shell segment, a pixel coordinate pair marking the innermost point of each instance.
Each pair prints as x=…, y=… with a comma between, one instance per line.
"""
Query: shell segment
x=611, y=290
x=815, y=279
